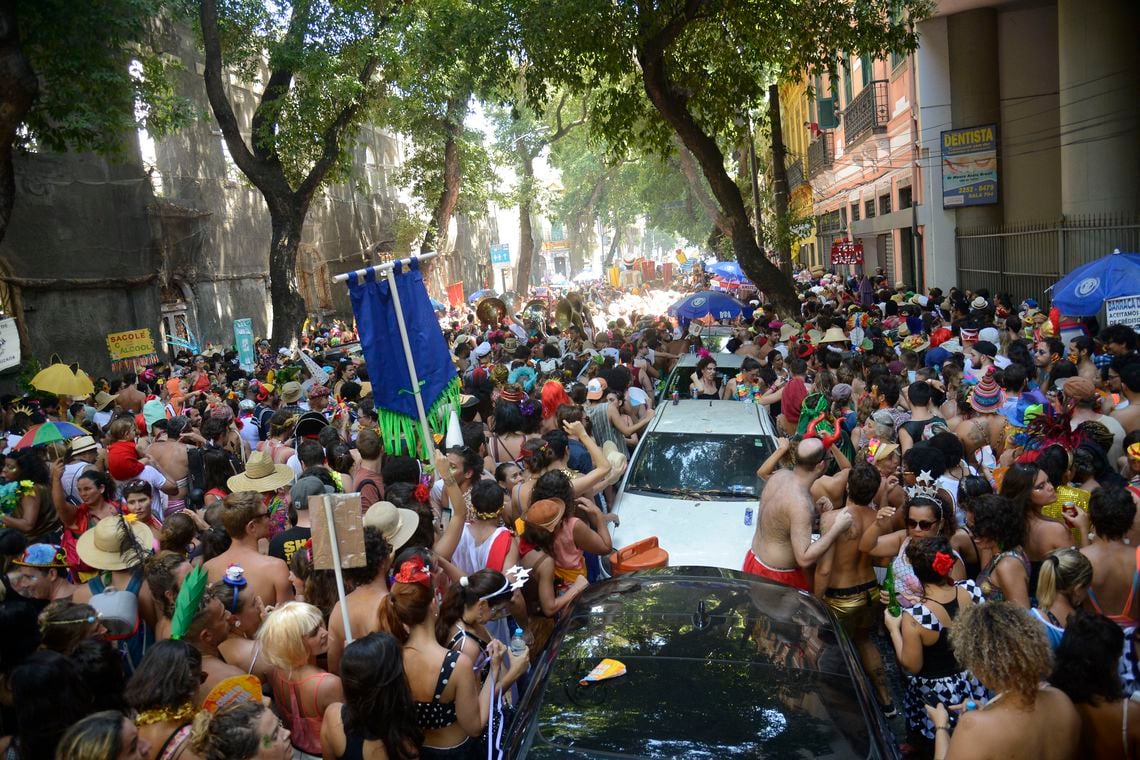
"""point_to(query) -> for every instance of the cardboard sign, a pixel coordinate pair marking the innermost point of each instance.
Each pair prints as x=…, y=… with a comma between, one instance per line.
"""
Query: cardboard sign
x=9, y=344
x=348, y=519
x=131, y=350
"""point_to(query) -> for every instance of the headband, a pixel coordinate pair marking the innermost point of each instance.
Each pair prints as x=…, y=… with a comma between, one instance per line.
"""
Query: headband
x=519, y=574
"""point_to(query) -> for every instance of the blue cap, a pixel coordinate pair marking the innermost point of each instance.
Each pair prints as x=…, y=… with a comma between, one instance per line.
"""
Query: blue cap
x=936, y=356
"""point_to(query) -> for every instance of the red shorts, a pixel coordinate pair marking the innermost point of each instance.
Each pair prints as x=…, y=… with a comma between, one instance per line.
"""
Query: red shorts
x=794, y=578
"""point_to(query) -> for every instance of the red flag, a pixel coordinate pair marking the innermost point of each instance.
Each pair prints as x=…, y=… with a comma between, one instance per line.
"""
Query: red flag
x=455, y=294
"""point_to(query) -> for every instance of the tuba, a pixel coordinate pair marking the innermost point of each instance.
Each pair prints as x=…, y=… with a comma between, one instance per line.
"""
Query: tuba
x=533, y=316
x=564, y=314
x=491, y=311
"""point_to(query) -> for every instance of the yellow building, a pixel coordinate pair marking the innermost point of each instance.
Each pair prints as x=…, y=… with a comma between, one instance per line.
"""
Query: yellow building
x=795, y=125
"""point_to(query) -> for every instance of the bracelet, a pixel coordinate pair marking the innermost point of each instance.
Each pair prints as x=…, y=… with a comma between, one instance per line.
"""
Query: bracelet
x=945, y=728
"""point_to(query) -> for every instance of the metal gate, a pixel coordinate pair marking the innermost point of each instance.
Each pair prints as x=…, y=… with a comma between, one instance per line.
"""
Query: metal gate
x=1025, y=260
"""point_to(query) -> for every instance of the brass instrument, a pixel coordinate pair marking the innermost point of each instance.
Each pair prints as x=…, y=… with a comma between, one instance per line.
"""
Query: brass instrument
x=534, y=316
x=564, y=314
x=491, y=311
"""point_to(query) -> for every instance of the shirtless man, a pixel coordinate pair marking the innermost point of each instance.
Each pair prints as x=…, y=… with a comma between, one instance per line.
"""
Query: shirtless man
x=169, y=454
x=371, y=583
x=130, y=397
x=845, y=577
x=782, y=548
x=246, y=520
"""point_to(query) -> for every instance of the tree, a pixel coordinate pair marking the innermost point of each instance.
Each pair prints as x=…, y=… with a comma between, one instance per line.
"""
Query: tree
x=323, y=58
x=693, y=68
x=67, y=81
x=521, y=135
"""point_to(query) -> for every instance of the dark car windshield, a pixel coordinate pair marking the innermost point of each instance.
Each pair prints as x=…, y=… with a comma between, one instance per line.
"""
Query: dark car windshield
x=680, y=379
x=732, y=670
x=688, y=465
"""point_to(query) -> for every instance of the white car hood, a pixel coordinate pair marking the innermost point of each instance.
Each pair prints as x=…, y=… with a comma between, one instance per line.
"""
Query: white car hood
x=701, y=533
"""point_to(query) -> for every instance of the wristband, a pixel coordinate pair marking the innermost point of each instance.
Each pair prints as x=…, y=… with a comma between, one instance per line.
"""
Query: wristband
x=945, y=728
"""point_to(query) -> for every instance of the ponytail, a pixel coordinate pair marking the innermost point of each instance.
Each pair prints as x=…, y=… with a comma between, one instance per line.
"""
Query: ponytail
x=468, y=592
x=389, y=622
x=1063, y=570
x=407, y=605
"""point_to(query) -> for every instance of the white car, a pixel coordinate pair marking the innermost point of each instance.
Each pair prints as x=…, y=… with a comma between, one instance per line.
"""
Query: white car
x=692, y=482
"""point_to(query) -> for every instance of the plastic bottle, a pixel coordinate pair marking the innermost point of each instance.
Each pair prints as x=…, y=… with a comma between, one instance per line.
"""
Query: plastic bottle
x=893, y=605
x=518, y=643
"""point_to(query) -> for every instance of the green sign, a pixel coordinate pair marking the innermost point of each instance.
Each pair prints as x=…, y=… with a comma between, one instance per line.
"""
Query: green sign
x=243, y=341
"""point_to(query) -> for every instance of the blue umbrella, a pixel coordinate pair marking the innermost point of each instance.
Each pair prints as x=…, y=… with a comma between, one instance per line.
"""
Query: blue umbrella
x=436, y=305
x=728, y=270
x=706, y=302
x=484, y=293
x=1083, y=291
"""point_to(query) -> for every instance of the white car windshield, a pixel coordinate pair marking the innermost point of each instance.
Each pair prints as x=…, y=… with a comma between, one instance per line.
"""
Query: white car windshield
x=699, y=465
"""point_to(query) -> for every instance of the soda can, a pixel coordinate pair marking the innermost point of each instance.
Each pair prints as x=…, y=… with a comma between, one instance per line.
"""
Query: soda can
x=748, y=515
x=676, y=397
x=693, y=392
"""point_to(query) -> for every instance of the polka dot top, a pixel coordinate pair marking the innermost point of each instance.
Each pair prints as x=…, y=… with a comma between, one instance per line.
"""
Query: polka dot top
x=435, y=714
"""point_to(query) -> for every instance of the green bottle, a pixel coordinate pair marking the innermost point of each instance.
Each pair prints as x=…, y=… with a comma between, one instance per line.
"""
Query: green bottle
x=893, y=605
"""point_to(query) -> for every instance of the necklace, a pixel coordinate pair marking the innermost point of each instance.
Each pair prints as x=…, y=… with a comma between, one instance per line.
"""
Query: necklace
x=165, y=714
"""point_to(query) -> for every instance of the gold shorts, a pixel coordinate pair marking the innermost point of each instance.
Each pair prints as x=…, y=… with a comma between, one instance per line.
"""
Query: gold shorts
x=856, y=608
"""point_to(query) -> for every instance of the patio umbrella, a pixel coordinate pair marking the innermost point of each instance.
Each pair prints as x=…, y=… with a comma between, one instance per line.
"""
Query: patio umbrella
x=706, y=303
x=1083, y=291
x=484, y=293
x=436, y=305
x=63, y=380
x=49, y=432
x=726, y=270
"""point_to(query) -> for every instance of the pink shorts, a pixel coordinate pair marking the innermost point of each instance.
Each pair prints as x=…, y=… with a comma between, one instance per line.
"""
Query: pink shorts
x=794, y=578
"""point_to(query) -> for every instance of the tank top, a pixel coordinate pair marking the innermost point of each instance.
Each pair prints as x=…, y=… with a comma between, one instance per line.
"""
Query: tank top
x=938, y=660
x=305, y=730
x=435, y=714
x=603, y=430
x=568, y=560
x=994, y=593
x=353, y=742
x=1124, y=618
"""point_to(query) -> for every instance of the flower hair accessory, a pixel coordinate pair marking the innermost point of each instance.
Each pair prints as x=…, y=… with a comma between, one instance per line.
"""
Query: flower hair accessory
x=414, y=570
x=421, y=493
x=943, y=563
x=872, y=448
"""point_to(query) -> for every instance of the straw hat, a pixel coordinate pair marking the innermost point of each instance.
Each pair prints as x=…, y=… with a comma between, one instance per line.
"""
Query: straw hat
x=617, y=459
x=261, y=475
x=815, y=336
x=103, y=400
x=787, y=332
x=101, y=547
x=81, y=445
x=291, y=392
x=833, y=335
x=394, y=524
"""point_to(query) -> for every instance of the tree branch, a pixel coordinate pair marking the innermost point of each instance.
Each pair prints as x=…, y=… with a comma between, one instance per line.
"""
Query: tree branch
x=280, y=80
x=708, y=205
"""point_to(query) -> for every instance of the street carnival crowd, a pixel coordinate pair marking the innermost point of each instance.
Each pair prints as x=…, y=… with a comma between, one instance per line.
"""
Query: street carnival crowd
x=964, y=500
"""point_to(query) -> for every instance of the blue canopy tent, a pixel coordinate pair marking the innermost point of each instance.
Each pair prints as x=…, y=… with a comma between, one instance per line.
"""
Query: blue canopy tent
x=705, y=303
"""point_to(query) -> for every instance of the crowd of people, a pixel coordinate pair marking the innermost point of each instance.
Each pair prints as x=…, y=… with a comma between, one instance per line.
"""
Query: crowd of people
x=955, y=474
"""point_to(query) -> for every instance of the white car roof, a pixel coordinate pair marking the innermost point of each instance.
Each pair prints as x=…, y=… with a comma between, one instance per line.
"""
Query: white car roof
x=731, y=361
x=725, y=417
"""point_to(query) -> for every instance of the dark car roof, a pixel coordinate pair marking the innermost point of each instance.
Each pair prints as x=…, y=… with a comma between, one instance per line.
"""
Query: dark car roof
x=719, y=664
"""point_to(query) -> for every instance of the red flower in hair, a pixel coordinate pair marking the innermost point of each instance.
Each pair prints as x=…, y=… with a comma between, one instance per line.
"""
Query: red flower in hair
x=414, y=571
x=421, y=494
x=943, y=562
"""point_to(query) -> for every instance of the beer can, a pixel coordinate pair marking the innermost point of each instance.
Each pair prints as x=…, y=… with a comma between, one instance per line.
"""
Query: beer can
x=748, y=515
x=676, y=397
x=693, y=392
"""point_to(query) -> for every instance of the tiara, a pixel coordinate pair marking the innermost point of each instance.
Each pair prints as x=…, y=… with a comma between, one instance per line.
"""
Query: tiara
x=924, y=487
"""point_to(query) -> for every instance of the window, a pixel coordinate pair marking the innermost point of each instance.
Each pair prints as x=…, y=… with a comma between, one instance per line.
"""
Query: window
x=854, y=212
x=842, y=218
x=905, y=197
x=885, y=204
x=897, y=59
x=845, y=74
x=865, y=65
x=557, y=231
x=869, y=209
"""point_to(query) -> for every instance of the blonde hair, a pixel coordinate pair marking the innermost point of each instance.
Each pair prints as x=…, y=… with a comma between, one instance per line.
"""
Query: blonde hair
x=1003, y=646
x=282, y=635
x=1062, y=570
x=121, y=429
x=96, y=737
x=238, y=509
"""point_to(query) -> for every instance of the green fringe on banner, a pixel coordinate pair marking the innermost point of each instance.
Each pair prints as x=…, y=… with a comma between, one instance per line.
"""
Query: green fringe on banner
x=400, y=432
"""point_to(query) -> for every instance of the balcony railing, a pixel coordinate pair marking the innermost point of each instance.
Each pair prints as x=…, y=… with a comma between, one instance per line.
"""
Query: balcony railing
x=867, y=113
x=821, y=153
x=795, y=173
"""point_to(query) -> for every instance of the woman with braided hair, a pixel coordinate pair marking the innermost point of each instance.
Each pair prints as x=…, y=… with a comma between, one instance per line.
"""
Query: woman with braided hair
x=240, y=731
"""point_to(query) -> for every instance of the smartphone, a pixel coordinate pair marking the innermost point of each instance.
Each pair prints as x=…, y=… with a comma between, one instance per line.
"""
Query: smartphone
x=928, y=697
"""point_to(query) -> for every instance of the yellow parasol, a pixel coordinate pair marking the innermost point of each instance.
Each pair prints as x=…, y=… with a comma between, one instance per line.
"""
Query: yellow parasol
x=63, y=379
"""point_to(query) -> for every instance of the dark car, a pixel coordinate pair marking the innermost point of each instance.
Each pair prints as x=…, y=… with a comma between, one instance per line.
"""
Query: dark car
x=719, y=665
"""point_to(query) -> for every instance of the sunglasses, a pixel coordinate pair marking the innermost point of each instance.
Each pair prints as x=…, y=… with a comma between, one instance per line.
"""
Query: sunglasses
x=921, y=524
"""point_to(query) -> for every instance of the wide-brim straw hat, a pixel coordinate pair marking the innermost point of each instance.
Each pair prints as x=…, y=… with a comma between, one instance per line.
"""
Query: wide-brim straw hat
x=396, y=525
x=261, y=475
x=104, y=547
x=833, y=335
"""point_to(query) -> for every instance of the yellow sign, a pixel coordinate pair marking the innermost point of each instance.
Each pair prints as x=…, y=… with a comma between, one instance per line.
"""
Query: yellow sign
x=129, y=344
x=615, y=276
x=681, y=257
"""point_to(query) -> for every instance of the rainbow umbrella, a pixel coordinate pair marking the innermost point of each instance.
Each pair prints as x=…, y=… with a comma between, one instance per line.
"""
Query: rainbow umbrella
x=49, y=432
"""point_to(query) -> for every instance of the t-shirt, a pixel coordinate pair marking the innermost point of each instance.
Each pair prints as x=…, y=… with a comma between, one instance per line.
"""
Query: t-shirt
x=793, y=399
x=371, y=493
x=71, y=473
x=284, y=544
x=156, y=480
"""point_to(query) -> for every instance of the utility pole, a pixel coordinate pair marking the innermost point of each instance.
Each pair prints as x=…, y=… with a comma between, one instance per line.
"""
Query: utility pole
x=779, y=180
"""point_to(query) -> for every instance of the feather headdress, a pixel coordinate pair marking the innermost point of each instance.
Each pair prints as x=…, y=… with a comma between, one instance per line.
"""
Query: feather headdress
x=187, y=602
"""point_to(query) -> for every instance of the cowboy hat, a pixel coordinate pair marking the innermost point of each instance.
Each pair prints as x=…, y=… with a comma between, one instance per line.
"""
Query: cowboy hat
x=814, y=336
x=102, y=547
x=394, y=524
x=261, y=475
x=103, y=400
x=291, y=392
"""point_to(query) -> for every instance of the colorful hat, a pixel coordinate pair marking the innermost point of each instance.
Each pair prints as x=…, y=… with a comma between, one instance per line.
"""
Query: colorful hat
x=915, y=343
x=987, y=397
x=545, y=513
x=47, y=555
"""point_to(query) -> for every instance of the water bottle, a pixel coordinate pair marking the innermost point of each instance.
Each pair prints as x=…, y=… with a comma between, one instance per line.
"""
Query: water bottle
x=518, y=644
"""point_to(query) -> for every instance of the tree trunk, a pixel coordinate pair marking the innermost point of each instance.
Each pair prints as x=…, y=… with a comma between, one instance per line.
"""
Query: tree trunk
x=448, y=266
x=673, y=108
x=288, y=306
x=526, y=232
x=614, y=246
x=780, y=183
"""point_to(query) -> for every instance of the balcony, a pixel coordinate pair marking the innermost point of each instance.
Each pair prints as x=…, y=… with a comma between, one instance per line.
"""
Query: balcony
x=821, y=153
x=867, y=113
x=795, y=174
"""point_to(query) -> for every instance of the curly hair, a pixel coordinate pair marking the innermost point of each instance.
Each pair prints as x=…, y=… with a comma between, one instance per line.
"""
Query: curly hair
x=996, y=519
x=921, y=554
x=376, y=553
x=1112, y=512
x=1003, y=646
x=1085, y=666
